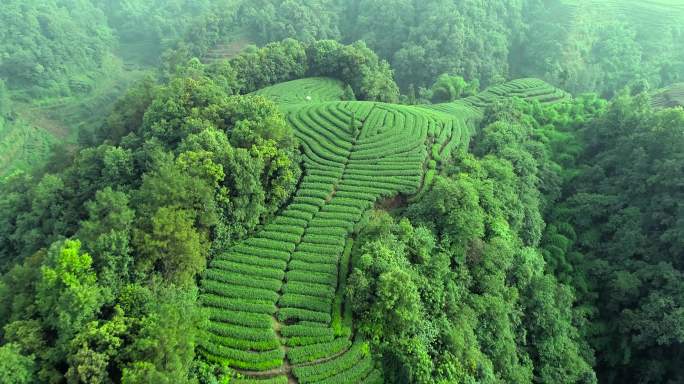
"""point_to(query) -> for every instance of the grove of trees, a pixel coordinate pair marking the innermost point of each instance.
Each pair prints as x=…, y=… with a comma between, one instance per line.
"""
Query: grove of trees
x=547, y=247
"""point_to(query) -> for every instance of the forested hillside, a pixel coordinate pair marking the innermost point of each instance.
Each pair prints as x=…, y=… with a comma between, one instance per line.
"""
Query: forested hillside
x=579, y=45
x=341, y=191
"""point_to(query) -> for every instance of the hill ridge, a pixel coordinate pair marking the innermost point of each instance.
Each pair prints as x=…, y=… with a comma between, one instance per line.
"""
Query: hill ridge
x=275, y=299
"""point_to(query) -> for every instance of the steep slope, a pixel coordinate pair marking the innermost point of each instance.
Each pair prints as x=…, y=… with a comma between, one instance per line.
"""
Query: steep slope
x=275, y=300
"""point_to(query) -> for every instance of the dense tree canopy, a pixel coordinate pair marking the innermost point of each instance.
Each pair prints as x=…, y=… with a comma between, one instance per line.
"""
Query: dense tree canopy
x=602, y=57
x=619, y=234
x=545, y=247
x=603, y=49
x=369, y=77
x=60, y=42
x=159, y=21
x=306, y=21
x=198, y=169
x=425, y=39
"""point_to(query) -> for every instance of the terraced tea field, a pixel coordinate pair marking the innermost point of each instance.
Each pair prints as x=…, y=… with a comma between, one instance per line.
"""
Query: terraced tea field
x=310, y=90
x=25, y=143
x=276, y=300
x=672, y=96
x=642, y=13
x=21, y=146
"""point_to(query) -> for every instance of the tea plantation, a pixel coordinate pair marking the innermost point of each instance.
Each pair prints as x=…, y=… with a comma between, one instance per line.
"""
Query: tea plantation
x=672, y=96
x=276, y=300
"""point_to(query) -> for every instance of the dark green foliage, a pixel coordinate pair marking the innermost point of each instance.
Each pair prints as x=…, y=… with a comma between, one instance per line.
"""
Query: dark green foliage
x=68, y=286
x=449, y=88
x=581, y=47
x=369, y=77
x=154, y=24
x=60, y=42
x=187, y=166
x=125, y=117
x=634, y=42
x=15, y=368
x=412, y=37
x=5, y=104
x=272, y=64
x=477, y=280
x=107, y=235
x=163, y=349
x=623, y=253
x=306, y=21
x=240, y=147
x=53, y=295
x=534, y=241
